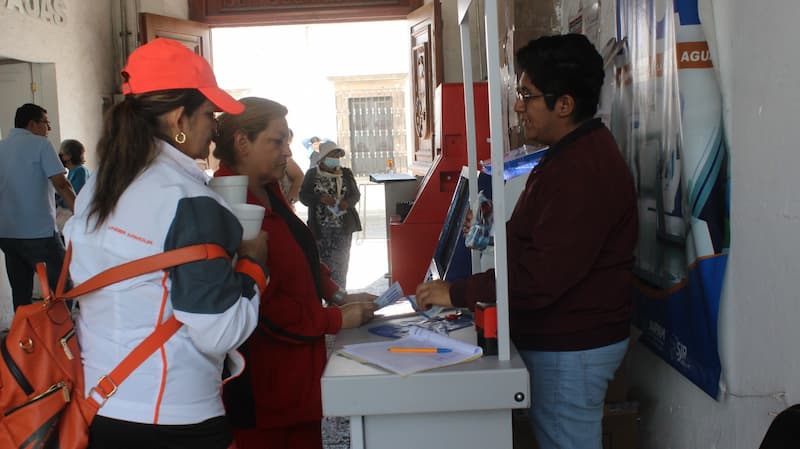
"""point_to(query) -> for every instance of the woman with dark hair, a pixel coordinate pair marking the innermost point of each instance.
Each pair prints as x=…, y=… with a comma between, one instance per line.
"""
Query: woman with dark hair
x=148, y=196
x=286, y=354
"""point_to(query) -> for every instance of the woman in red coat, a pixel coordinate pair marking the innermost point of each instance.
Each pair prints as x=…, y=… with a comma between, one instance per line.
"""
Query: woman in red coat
x=286, y=354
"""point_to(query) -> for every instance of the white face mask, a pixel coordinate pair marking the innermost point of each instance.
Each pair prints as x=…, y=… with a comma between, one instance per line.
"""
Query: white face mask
x=331, y=162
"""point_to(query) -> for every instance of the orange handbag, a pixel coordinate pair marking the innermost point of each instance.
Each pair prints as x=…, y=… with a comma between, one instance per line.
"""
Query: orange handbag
x=41, y=374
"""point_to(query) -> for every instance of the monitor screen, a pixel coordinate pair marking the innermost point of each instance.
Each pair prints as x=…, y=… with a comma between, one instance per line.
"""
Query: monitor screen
x=451, y=260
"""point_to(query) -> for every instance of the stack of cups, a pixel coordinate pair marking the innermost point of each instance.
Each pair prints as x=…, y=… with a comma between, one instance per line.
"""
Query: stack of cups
x=233, y=189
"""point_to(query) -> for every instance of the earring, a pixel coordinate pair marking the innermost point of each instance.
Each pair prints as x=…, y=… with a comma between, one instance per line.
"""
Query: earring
x=180, y=137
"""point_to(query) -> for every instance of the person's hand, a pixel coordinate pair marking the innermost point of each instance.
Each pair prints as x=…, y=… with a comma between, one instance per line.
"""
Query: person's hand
x=256, y=248
x=355, y=314
x=433, y=293
x=359, y=297
x=467, y=222
x=343, y=204
x=327, y=200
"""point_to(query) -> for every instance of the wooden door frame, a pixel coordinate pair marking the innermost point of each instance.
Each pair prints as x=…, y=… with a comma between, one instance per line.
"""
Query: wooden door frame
x=290, y=12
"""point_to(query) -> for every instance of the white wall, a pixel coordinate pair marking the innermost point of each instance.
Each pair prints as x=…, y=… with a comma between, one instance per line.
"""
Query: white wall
x=171, y=8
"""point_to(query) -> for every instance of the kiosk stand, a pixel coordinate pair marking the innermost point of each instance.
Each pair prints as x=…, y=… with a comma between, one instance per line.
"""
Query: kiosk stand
x=458, y=407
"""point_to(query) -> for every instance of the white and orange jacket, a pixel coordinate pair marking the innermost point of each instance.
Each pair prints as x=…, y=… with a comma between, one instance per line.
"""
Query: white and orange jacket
x=167, y=206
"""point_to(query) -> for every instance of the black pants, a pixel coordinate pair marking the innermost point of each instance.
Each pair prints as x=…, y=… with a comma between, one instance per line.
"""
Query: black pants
x=22, y=255
x=107, y=433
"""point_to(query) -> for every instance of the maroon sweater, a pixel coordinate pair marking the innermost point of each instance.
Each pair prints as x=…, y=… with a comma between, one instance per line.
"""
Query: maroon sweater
x=570, y=248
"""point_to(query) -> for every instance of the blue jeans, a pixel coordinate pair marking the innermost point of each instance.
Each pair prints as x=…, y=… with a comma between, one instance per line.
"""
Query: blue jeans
x=22, y=255
x=568, y=390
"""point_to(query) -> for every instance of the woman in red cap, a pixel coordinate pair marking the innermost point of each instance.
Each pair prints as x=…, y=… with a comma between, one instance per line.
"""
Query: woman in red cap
x=280, y=405
x=149, y=196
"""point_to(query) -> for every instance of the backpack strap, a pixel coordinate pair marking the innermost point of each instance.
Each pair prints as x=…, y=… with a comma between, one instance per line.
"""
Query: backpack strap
x=108, y=384
x=136, y=267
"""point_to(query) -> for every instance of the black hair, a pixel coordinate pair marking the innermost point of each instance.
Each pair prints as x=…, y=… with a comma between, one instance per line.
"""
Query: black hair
x=74, y=149
x=128, y=143
x=565, y=65
x=26, y=113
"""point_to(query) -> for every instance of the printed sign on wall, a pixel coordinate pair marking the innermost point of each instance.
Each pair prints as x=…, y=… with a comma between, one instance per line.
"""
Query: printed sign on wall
x=667, y=117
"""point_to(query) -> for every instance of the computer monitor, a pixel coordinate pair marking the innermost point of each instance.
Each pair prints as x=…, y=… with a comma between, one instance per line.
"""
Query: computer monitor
x=452, y=259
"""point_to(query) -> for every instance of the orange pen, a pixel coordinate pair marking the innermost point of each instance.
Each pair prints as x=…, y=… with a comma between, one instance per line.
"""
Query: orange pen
x=423, y=350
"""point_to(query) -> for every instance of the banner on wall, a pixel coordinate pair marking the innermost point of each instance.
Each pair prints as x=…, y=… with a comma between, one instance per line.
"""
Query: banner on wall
x=667, y=117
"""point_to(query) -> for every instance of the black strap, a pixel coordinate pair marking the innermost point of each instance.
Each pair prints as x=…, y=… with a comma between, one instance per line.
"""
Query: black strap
x=302, y=235
x=14, y=369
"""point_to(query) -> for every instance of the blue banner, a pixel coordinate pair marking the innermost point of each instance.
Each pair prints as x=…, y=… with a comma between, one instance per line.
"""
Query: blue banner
x=667, y=117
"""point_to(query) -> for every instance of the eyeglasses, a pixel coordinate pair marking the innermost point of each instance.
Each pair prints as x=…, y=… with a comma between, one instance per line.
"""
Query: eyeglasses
x=46, y=122
x=524, y=96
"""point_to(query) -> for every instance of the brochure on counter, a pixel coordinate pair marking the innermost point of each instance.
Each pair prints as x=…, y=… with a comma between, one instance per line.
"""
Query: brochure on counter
x=420, y=350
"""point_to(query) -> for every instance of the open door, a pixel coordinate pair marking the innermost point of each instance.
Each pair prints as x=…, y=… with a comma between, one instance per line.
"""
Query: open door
x=16, y=89
x=426, y=74
x=194, y=35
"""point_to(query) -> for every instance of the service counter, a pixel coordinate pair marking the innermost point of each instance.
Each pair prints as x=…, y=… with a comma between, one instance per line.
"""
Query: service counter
x=457, y=407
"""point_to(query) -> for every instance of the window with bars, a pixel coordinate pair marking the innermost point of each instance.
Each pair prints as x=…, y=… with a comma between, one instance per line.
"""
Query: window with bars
x=372, y=137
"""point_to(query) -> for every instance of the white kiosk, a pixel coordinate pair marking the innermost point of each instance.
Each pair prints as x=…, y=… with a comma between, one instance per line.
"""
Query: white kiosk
x=458, y=407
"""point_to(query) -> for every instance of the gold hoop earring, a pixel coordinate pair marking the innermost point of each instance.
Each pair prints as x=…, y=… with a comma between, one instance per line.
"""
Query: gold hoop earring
x=180, y=137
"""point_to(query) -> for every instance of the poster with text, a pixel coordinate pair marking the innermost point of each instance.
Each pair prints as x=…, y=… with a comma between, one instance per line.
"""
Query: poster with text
x=667, y=117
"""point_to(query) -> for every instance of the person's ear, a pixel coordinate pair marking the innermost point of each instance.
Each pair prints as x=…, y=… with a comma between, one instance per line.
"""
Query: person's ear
x=565, y=105
x=174, y=121
x=241, y=142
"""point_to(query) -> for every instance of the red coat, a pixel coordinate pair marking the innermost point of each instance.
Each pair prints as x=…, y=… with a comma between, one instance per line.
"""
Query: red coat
x=286, y=354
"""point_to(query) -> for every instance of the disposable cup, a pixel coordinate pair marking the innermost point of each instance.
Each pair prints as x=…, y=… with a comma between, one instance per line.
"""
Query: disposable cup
x=231, y=188
x=250, y=216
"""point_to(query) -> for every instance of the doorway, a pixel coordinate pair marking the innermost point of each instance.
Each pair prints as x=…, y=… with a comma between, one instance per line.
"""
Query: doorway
x=346, y=82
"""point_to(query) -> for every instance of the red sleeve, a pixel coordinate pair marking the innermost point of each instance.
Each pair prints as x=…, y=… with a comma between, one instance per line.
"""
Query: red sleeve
x=297, y=320
x=329, y=286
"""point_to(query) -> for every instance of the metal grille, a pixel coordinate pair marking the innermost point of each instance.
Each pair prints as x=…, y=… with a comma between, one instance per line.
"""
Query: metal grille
x=372, y=135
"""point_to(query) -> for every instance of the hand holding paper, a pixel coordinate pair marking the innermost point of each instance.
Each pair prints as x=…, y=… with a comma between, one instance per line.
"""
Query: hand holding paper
x=392, y=294
x=433, y=293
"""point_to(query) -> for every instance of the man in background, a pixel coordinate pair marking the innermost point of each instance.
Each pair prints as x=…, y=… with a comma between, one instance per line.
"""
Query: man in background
x=31, y=173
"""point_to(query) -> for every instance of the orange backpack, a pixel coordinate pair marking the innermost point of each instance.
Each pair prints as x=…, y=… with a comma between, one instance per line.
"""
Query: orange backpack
x=41, y=374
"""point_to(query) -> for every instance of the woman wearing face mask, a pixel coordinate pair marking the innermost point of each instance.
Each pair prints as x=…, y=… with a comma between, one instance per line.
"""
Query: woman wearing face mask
x=330, y=192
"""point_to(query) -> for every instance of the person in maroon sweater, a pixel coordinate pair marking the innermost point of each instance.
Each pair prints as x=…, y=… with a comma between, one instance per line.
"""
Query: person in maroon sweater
x=282, y=402
x=571, y=239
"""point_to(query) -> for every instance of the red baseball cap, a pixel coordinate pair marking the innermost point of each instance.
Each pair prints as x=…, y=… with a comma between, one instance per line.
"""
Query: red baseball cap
x=164, y=64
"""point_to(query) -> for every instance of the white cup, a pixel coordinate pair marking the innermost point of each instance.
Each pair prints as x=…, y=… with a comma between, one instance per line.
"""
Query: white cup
x=232, y=188
x=250, y=216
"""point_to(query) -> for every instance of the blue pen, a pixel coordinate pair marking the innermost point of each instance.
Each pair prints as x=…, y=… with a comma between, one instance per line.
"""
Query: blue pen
x=427, y=350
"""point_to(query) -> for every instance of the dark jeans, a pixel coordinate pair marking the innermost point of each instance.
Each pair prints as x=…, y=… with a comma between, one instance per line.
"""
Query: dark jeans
x=108, y=433
x=22, y=255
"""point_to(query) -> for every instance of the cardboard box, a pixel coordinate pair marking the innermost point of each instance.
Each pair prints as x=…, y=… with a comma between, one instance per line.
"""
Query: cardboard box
x=620, y=422
x=620, y=425
x=618, y=387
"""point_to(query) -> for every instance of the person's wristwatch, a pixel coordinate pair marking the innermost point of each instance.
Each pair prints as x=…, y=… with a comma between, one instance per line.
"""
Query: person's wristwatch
x=338, y=297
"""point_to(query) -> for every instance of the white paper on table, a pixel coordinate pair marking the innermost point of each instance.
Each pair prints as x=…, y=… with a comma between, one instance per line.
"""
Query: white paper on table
x=378, y=354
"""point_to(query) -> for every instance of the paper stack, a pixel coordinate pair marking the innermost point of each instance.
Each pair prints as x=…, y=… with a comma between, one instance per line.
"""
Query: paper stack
x=405, y=363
